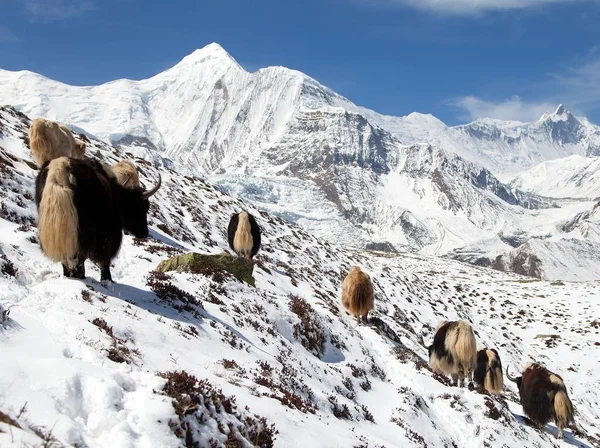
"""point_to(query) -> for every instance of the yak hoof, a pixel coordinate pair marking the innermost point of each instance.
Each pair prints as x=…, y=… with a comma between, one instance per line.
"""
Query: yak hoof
x=105, y=275
x=470, y=386
x=79, y=271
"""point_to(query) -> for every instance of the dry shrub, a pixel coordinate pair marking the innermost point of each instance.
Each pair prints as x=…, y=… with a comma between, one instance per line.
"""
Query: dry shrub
x=197, y=404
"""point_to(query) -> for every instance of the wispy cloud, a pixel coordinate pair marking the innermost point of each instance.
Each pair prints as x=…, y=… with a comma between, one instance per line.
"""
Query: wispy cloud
x=509, y=109
x=7, y=35
x=45, y=11
x=578, y=88
x=469, y=7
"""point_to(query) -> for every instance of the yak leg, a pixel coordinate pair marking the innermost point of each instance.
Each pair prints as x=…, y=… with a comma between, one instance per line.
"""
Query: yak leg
x=79, y=270
x=559, y=426
x=358, y=319
x=105, y=272
x=366, y=317
x=454, y=379
x=66, y=271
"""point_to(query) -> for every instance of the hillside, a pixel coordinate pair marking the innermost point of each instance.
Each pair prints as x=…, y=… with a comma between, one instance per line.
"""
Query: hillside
x=87, y=364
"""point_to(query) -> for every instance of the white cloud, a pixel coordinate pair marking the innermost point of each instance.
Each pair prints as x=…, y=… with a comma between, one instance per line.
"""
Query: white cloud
x=54, y=10
x=470, y=7
x=577, y=88
x=510, y=109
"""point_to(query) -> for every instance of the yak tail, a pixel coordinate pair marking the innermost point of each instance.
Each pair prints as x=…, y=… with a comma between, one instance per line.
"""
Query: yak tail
x=494, y=381
x=466, y=347
x=58, y=219
x=563, y=409
x=242, y=242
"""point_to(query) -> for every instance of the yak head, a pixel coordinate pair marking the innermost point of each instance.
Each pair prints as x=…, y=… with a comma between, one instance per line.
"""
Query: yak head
x=135, y=207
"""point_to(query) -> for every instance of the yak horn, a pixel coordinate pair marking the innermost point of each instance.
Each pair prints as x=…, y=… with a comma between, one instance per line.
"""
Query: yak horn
x=147, y=194
x=512, y=378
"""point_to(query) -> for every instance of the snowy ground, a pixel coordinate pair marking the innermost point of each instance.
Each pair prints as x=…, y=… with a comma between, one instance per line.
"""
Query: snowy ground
x=81, y=362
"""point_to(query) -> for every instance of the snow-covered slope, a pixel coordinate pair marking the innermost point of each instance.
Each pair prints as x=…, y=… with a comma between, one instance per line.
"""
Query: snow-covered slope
x=86, y=364
x=569, y=177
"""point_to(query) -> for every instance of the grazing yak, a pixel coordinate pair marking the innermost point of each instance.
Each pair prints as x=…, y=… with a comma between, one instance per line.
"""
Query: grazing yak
x=49, y=140
x=488, y=371
x=453, y=351
x=357, y=294
x=83, y=211
x=126, y=173
x=544, y=397
x=243, y=235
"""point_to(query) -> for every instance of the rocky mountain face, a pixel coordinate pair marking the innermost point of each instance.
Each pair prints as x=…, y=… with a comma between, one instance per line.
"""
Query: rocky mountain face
x=297, y=149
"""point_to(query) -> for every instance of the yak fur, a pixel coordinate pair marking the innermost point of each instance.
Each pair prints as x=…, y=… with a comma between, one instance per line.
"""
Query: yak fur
x=243, y=235
x=488, y=372
x=49, y=140
x=454, y=350
x=357, y=294
x=83, y=211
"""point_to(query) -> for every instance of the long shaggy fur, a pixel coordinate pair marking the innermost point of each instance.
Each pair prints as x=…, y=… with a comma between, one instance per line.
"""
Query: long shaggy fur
x=126, y=174
x=453, y=351
x=357, y=294
x=49, y=140
x=83, y=211
x=544, y=397
x=243, y=235
x=488, y=371
x=58, y=221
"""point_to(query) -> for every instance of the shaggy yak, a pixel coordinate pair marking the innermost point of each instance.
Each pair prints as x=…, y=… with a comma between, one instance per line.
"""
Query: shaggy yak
x=453, y=351
x=50, y=140
x=488, y=371
x=357, y=294
x=83, y=211
x=243, y=235
x=126, y=174
x=544, y=397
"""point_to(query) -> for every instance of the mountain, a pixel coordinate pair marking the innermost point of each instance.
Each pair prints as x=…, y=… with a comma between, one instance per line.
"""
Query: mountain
x=208, y=360
x=569, y=177
x=297, y=149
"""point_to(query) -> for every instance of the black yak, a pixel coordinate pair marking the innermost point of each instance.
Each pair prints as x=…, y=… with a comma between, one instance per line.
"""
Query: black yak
x=488, y=371
x=357, y=294
x=453, y=351
x=544, y=397
x=243, y=235
x=83, y=211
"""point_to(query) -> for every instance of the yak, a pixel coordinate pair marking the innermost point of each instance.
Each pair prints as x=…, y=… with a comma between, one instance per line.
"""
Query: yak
x=126, y=173
x=83, y=211
x=49, y=140
x=453, y=351
x=544, y=397
x=243, y=235
x=357, y=294
x=488, y=371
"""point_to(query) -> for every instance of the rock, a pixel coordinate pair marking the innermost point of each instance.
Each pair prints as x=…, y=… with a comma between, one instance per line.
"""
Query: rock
x=206, y=264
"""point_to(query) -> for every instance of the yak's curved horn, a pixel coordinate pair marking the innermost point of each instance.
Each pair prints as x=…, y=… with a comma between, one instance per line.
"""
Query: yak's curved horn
x=147, y=194
x=512, y=378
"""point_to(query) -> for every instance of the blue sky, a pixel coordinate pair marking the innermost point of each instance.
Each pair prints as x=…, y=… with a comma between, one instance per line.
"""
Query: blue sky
x=456, y=59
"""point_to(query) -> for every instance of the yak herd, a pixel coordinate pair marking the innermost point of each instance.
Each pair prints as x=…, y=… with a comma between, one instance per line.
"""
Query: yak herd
x=84, y=206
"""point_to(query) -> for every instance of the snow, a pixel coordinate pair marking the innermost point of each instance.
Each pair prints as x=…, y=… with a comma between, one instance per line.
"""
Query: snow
x=58, y=373
x=570, y=177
